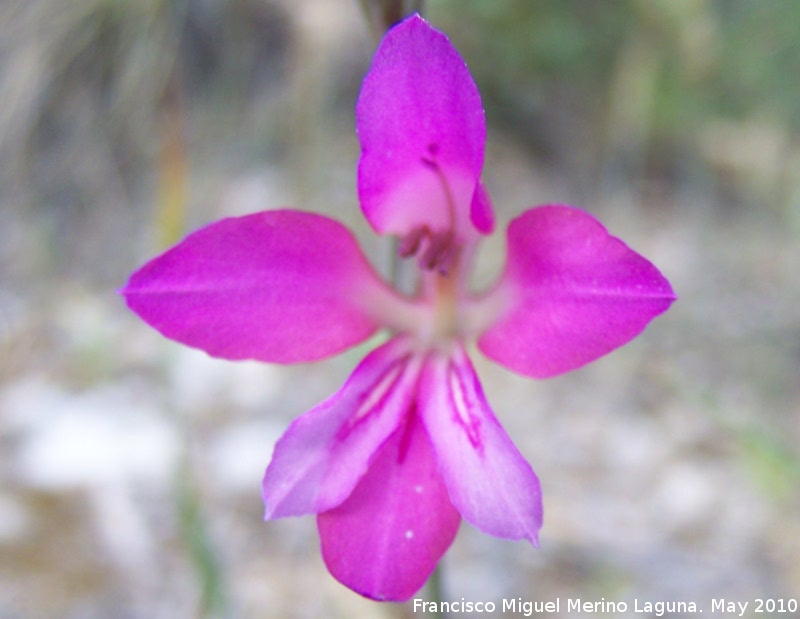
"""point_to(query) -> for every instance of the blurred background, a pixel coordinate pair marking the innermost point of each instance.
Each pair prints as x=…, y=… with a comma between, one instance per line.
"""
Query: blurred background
x=131, y=466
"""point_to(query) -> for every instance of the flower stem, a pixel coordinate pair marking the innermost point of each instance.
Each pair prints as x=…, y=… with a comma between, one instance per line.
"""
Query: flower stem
x=436, y=590
x=383, y=14
x=213, y=603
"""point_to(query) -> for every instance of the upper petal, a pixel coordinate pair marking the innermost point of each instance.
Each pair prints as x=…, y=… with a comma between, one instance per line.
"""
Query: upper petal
x=490, y=483
x=384, y=541
x=281, y=286
x=422, y=130
x=570, y=293
x=323, y=455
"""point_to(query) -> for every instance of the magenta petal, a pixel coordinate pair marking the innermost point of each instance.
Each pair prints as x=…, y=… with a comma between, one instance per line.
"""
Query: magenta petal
x=422, y=130
x=571, y=292
x=323, y=455
x=481, y=211
x=385, y=540
x=490, y=483
x=280, y=286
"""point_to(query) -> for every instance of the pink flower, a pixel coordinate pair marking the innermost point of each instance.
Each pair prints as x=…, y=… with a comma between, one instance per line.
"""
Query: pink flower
x=408, y=447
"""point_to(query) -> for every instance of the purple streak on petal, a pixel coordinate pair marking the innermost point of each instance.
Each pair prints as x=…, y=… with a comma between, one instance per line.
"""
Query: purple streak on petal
x=574, y=293
x=422, y=130
x=490, y=484
x=385, y=540
x=323, y=455
x=280, y=286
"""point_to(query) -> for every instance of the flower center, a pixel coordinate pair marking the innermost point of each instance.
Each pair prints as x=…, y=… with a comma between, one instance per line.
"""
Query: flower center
x=440, y=254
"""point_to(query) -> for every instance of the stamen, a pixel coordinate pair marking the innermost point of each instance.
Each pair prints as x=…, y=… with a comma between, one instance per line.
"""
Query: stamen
x=441, y=254
x=435, y=250
x=437, y=247
x=409, y=244
x=430, y=158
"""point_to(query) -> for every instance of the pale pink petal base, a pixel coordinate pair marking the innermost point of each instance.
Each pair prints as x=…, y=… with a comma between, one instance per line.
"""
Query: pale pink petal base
x=490, y=483
x=324, y=453
x=386, y=539
x=570, y=293
x=280, y=286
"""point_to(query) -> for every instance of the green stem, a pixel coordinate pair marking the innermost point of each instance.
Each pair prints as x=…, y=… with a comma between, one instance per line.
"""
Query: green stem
x=383, y=14
x=199, y=546
x=436, y=590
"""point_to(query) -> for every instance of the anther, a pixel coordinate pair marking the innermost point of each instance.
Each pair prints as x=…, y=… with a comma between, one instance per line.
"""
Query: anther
x=441, y=253
x=435, y=250
x=410, y=244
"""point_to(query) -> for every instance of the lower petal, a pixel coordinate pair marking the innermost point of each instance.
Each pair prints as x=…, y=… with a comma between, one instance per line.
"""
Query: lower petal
x=385, y=540
x=490, y=483
x=323, y=455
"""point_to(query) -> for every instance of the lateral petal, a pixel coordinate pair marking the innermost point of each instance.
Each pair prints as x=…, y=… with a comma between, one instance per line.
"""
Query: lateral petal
x=385, y=540
x=422, y=130
x=323, y=454
x=280, y=286
x=489, y=481
x=570, y=293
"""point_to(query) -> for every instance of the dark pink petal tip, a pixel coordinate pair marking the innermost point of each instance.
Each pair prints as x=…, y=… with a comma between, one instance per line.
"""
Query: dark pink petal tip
x=385, y=540
x=571, y=292
x=279, y=286
x=422, y=130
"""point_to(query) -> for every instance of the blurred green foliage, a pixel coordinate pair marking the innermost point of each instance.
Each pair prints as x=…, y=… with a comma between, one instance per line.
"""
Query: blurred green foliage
x=729, y=56
x=525, y=39
x=646, y=78
x=760, y=57
x=773, y=463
